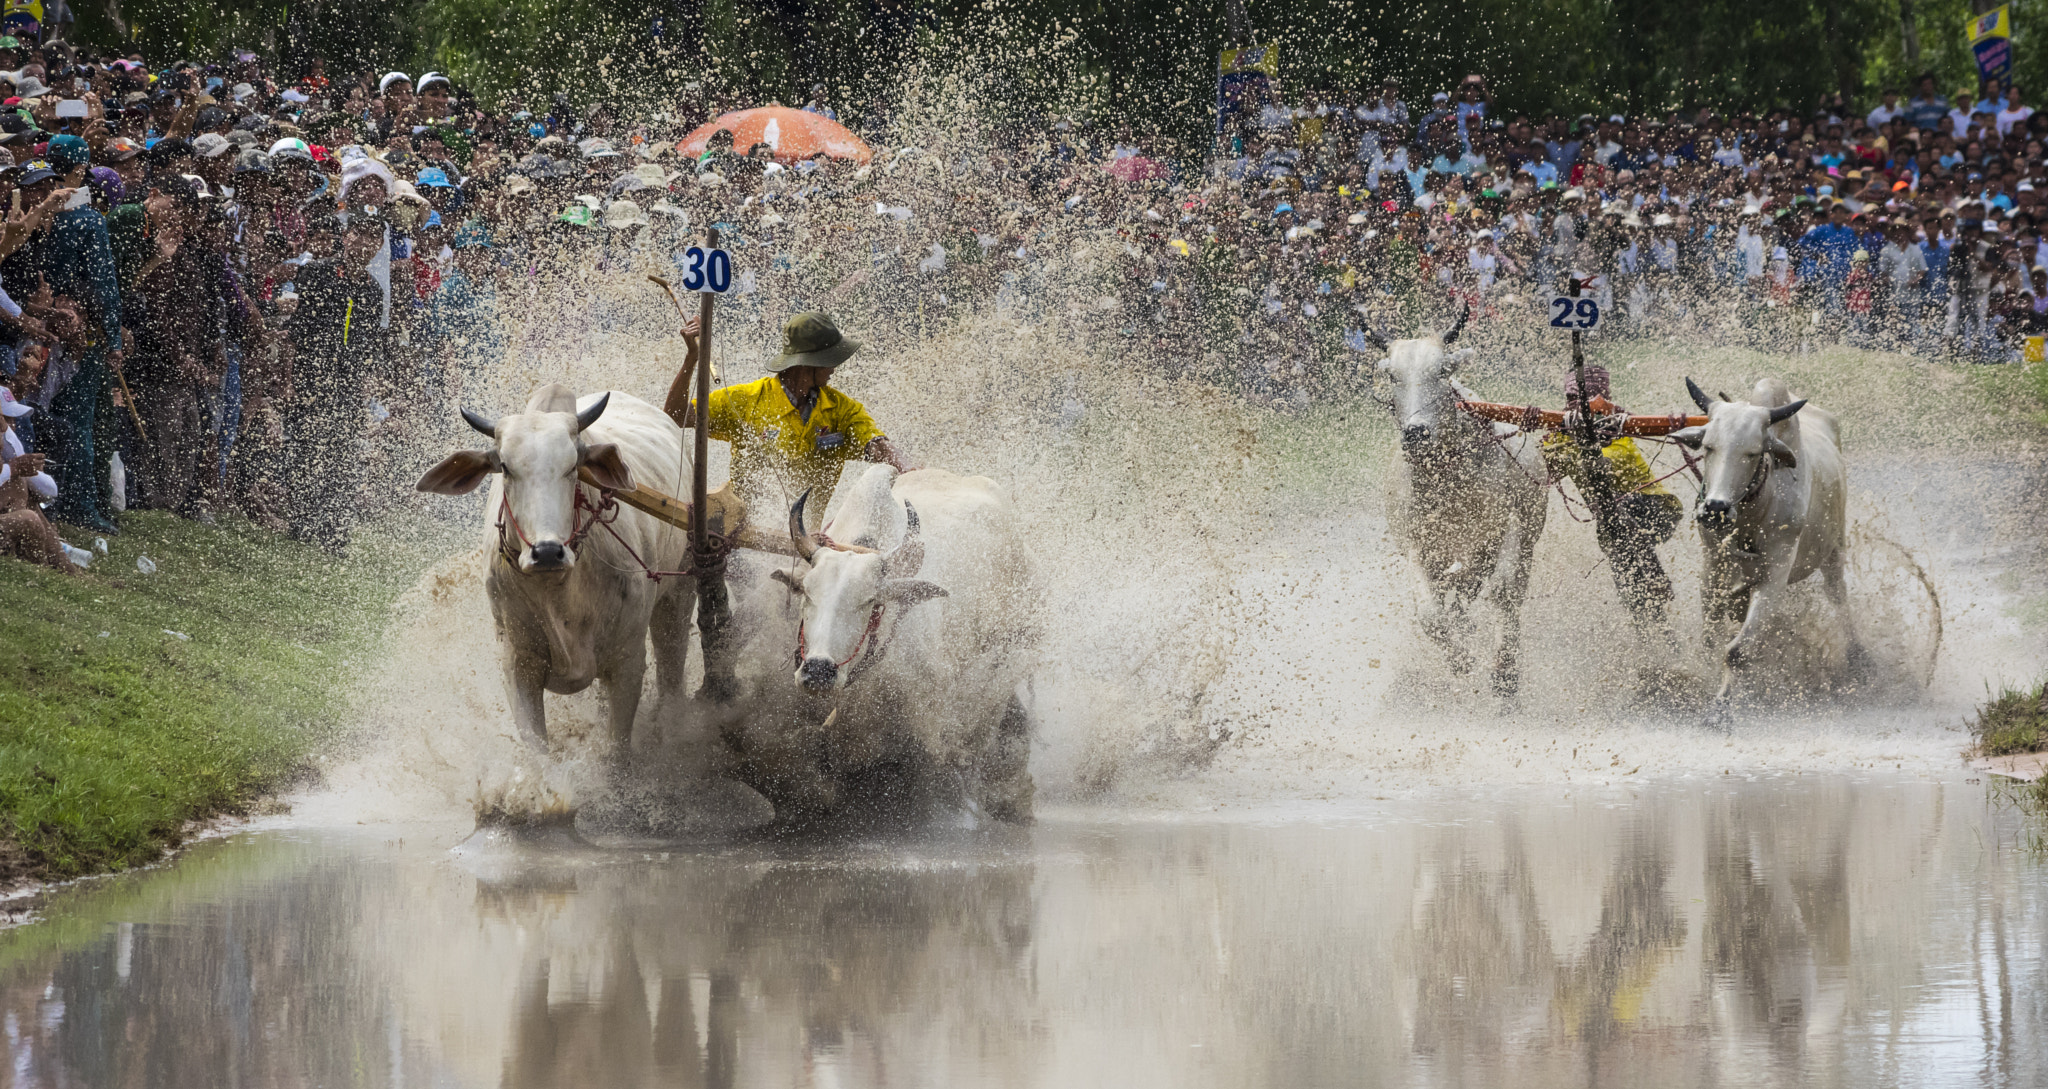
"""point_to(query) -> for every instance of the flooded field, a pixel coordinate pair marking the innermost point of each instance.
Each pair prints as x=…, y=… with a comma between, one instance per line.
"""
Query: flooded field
x=1735, y=930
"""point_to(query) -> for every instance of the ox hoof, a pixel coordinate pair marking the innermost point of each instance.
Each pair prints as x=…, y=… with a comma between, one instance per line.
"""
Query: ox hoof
x=719, y=690
x=1507, y=683
x=1718, y=719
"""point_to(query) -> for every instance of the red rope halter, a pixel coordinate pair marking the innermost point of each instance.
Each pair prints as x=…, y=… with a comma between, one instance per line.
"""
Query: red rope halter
x=875, y=652
x=599, y=514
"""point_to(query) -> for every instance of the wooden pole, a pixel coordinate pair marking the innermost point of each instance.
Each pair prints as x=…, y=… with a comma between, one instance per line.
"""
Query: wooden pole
x=714, y=604
x=700, y=537
x=1638, y=576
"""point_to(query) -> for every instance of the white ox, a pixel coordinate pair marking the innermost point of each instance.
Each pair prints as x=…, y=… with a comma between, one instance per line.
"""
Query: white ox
x=571, y=604
x=897, y=682
x=1773, y=507
x=1467, y=500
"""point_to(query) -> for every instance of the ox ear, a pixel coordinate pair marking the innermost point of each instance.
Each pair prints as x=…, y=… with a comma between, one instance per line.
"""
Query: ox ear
x=607, y=468
x=1690, y=436
x=795, y=585
x=459, y=473
x=908, y=592
x=1454, y=360
x=1781, y=453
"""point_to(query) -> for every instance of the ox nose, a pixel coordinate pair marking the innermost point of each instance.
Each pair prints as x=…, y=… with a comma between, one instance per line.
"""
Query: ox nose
x=818, y=674
x=1415, y=433
x=1715, y=510
x=548, y=554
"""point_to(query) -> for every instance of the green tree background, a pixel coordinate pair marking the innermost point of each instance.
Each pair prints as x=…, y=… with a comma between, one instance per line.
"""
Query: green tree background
x=1150, y=61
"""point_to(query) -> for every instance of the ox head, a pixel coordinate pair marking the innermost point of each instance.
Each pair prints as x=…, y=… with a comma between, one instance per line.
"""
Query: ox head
x=1419, y=371
x=538, y=451
x=1735, y=441
x=844, y=588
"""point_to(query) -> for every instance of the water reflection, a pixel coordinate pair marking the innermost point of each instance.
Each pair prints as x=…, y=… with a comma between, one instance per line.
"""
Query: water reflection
x=1791, y=932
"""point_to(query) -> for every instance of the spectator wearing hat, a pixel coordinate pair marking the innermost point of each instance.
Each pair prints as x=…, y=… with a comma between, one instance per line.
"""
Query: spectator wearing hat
x=179, y=361
x=24, y=533
x=338, y=351
x=213, y=158
x=433, y=92
x=395, y=107
x=74, y=257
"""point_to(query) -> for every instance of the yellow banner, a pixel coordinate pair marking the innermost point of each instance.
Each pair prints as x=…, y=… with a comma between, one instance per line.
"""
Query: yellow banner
x=1258, y=58
x=1991, y=24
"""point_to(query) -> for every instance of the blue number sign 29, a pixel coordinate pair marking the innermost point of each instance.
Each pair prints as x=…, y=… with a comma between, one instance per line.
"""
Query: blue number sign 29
x=707, y=270
x=1574, y=315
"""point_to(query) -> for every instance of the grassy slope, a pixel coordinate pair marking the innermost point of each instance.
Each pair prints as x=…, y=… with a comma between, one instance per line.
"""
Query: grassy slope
x=114, y=734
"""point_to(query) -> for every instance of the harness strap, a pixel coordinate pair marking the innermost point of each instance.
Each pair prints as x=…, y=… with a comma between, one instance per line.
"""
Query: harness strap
x=874, y=651
x=600, y=514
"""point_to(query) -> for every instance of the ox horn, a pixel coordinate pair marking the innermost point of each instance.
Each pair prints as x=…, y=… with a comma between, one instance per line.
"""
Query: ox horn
x=588, y=416
x=1699, y=396
x=906, y=558
x=486, y=426
x=802, y=539
x=1451, y=334
x=1785, y=412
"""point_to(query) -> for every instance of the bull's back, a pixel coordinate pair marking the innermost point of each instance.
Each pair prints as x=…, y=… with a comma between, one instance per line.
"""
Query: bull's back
x=1820, y=450
x=651, y=445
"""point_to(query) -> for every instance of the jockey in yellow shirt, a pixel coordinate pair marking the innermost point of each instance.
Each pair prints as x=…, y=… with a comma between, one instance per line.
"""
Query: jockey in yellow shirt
x=790, y=431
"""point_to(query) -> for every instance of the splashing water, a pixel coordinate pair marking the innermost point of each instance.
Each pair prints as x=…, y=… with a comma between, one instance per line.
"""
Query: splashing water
x=1231, y=623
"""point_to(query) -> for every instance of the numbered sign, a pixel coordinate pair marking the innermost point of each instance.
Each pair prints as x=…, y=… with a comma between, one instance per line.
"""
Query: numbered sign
x=1574, y=315
x=707, y=270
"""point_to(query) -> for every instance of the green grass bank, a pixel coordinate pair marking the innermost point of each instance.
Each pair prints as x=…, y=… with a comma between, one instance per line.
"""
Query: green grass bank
x=132, y=704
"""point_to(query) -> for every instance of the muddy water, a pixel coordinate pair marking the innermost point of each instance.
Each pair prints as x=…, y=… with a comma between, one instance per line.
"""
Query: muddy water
x=1789, y=930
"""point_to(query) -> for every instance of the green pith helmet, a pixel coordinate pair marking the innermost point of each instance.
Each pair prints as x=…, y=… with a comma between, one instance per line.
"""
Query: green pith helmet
x=811, y=339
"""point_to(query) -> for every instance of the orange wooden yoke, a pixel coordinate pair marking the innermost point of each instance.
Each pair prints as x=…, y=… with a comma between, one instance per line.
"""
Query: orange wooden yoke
x=1532, y=418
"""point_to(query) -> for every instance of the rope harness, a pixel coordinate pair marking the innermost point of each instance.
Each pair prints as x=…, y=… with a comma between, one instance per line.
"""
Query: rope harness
x=874, y=648
x=600, y=515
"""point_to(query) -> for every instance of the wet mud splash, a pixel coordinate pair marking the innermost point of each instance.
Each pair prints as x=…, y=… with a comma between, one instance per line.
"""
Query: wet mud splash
x=1232, y=622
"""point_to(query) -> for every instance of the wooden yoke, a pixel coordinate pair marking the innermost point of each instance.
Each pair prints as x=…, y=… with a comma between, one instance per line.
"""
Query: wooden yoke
x=1546, y=420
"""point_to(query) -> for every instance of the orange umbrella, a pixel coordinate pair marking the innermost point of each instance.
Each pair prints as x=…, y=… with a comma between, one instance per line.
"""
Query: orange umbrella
x=793, y=134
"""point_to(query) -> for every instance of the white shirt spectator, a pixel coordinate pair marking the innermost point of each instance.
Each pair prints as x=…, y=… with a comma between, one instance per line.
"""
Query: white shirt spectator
x=1371, y=117
x=1903, y=266
x=1485, y=266
x=1564, y=233
x=1751, y=246
x=1540, y=171
x=42, y=484
x=2016, y=116
x=1629, y=261
x=1397, y=162
x=1882, y=114
x=1959, y=121
x=1728, y=153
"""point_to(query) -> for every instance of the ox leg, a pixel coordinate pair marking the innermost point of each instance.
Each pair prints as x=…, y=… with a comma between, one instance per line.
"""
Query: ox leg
x=1444, y=619
x=622, y=699
x=1760, y=602
x=525, y=679
x=1512, y=590
x=1836, y=585
x=669, y=632
x=1005, y=771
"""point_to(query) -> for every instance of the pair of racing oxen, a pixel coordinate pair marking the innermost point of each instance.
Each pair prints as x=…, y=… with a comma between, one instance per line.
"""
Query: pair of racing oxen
x=887, y=658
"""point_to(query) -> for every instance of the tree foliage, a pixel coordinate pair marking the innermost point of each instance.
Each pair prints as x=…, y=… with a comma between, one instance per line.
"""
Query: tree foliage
x=1150, y=61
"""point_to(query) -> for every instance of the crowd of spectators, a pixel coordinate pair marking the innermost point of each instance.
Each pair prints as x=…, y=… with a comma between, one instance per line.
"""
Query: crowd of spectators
x=249, y=287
